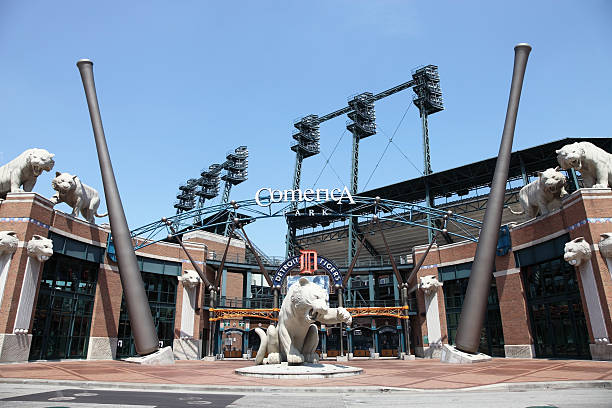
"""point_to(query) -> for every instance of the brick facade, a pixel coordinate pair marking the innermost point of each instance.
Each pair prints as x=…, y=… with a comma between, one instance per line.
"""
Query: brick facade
x=28, y=214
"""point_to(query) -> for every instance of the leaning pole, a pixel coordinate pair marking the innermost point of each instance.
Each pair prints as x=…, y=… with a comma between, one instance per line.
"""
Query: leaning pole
x=141, y=320
x=475, y=303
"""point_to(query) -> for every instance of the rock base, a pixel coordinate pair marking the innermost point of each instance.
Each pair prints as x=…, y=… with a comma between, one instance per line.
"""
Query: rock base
x=342, y=358
x=404, y=356
x=601, y=352
x=209, y=358
x=160, y=357
x=453, y=356
x=304, y=371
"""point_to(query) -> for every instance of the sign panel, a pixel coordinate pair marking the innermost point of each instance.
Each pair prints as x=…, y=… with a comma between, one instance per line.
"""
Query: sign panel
x=322, y=264
x=321, y=280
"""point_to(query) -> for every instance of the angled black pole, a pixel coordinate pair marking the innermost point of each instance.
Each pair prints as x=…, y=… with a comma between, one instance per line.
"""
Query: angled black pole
x=141, y=321
x=479, y=285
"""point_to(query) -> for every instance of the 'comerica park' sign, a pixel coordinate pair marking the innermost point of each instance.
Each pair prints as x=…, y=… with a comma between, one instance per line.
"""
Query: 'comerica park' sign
x=294, y=262
x=308, y=195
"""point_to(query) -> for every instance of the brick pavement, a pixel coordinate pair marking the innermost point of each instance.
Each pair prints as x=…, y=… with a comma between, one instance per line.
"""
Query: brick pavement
x=419, y=374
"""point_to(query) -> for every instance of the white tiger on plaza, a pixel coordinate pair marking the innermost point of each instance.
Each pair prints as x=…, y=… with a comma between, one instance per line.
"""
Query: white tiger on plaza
x=296, y=337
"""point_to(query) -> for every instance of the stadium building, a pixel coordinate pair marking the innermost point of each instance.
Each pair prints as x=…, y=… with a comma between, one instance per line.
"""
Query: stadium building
x=71, y=305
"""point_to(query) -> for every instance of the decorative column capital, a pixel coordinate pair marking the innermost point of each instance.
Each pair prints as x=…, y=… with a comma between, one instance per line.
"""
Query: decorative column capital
x=605, y=245
x=189, y=279
x=429, y=284
x=577, y=251
x=8, y=242
x=40, y=248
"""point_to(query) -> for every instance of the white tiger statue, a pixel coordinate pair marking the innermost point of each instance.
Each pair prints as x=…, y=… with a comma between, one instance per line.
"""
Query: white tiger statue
x=429, y=284
x=543, y=195
x=8, y=242
x=23, y=171
x=605, y=244
x=577, y=251
x=40, y=248
x=81, y=197
x=594, y=163
x=296, y=337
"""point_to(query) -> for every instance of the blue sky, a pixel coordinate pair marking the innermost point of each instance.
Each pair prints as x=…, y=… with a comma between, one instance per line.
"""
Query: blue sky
x=182, y=83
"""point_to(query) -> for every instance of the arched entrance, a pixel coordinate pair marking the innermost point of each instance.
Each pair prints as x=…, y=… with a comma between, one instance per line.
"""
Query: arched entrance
x=363, y=341
x=388, y=338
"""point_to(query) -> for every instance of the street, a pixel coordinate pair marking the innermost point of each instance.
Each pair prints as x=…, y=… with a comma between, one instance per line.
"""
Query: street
x=12, y=395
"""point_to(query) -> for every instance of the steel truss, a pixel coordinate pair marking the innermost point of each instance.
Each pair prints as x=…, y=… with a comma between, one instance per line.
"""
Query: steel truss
x=361, y=210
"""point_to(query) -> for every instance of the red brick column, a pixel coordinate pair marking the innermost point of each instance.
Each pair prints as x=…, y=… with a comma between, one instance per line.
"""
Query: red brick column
x=518, y=341
x=27, y=214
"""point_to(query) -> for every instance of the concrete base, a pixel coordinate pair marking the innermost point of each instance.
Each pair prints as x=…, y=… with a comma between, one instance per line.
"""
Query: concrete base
x=601, y=352
x=434, y=351
x=211, y=358
x=519, y=350
x=102, y=348
x=304, y=371
x=342, y=358
x=15, y=347
x=453, y=356
x=375, y=356
x=187, y=349
x=323, y=356
x=404, y=356
x=162, y=356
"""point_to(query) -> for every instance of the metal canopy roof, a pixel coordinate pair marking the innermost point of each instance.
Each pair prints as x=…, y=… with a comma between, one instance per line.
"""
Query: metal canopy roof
x=459, y=180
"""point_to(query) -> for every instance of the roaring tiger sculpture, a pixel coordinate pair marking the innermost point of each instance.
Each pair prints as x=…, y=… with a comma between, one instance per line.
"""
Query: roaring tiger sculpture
x=542, y=195
x=23, y=171
x=296, y=337
x=81, y=197
x=577, y=251
x=8, y=242
x=594, y=163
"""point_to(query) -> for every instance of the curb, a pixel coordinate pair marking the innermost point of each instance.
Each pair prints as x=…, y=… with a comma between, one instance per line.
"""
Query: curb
x=509, y=387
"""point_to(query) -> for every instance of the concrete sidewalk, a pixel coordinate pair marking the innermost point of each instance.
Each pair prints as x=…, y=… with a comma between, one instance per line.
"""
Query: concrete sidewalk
x=509, y=374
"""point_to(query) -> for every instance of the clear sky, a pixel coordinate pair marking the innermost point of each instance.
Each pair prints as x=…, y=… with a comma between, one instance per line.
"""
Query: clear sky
x=181, y=83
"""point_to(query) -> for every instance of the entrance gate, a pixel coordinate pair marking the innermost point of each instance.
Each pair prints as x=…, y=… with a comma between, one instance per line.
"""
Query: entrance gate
x=64, y=309
x=555, y=309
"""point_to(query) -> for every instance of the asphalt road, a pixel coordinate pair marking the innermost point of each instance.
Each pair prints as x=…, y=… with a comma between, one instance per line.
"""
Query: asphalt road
x=35, y=396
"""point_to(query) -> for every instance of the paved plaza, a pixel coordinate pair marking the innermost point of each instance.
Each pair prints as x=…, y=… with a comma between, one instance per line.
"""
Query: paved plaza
x=377, y=375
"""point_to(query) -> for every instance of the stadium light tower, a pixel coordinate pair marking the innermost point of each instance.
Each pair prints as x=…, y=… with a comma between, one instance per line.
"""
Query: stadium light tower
x=306, y=145
x=362, y=124
x=236, y=165
x=209, y=186
x=428, y=98
x=186, y=196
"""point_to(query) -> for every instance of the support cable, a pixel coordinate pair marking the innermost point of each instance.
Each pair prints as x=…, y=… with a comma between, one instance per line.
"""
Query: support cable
x=401, y=152
x=328, y=159
x=387, y=147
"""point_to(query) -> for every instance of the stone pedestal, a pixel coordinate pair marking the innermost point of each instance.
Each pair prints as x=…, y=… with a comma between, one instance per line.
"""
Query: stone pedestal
x=519, y=350
x=601, y=352
x=404, y=356
x=453, y=356
x=211, y=358
x=102, y=348
x=342, y=358
x=187, y=349
x=15, y=347
x=162, y=356
x=303, y=371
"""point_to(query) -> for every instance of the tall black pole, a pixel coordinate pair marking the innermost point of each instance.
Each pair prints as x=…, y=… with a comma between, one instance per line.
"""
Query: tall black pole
x=475, y=304
x=143, y=329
